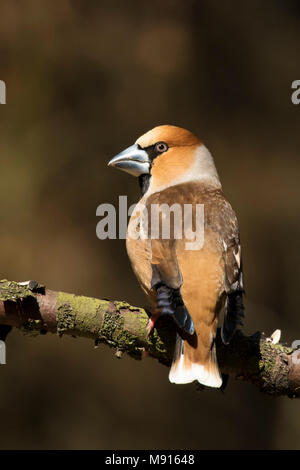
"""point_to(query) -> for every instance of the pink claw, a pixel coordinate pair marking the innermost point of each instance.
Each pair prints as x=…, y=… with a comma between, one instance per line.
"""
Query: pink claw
x=152, y=320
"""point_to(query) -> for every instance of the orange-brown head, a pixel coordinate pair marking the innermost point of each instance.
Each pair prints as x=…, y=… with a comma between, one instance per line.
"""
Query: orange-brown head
x=168, y=155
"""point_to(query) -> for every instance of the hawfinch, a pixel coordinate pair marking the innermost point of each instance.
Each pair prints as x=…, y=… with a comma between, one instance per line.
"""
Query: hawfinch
x=194, y=284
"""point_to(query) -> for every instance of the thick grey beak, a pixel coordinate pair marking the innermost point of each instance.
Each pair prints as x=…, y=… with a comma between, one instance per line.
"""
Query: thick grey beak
x=133, y=160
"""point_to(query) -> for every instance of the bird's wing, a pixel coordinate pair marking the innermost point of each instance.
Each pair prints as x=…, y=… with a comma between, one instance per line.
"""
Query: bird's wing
x=166, y=274
x=220, y=219
x=224, y=222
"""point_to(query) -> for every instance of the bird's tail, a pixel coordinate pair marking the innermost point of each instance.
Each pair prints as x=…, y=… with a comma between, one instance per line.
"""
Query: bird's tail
x=186, y=368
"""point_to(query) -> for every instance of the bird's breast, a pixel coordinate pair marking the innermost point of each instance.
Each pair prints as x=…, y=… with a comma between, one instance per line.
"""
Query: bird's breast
x=139, y=250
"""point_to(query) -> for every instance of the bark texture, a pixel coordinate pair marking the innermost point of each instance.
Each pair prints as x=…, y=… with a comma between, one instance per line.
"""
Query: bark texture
x=274, y=368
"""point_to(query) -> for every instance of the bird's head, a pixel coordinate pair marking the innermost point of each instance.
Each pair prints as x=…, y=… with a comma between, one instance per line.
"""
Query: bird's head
x=165, y=156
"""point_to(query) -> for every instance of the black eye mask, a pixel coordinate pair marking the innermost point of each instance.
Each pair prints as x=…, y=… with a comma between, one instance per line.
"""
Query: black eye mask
x=153, y=151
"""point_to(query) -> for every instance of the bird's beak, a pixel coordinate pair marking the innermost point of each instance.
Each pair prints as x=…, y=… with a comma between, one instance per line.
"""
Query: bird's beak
x=134, y=160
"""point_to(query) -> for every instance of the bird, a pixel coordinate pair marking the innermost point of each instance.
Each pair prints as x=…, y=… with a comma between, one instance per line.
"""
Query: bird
x=198, y=288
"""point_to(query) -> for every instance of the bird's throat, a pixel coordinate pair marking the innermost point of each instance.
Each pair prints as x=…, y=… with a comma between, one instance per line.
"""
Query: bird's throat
x=144, y=181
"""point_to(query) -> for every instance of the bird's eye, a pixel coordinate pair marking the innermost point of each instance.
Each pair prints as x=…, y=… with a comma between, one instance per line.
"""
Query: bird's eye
x=161, y=147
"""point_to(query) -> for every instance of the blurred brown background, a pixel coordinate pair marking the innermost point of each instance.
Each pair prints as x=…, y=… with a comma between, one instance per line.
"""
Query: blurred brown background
x=84, y=80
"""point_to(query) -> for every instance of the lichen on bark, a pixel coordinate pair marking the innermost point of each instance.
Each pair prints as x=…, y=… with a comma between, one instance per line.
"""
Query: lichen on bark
x=13, y=291
x=274, y=368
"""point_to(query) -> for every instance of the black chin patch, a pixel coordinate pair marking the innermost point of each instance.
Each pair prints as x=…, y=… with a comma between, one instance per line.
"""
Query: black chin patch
x=144, y=181
x=152, y=152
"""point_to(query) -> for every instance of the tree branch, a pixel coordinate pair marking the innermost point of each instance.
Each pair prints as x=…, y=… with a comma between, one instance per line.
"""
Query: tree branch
x=274, y=368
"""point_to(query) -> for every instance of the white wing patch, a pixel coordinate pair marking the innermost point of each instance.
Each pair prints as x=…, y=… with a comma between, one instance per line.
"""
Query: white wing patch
x=238, y=256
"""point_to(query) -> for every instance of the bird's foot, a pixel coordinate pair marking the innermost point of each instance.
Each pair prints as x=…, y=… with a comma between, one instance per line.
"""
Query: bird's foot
x=155, y=314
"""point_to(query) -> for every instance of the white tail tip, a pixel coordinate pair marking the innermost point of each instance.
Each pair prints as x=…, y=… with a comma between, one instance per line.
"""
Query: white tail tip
x=181, y=373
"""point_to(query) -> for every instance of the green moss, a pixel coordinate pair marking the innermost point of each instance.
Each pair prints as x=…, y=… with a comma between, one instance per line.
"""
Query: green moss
x=273, y=368
x=283, y=349
x=78, y=314
x=135, y=320
x=266, y=363
x=120, y=304
x=33, y=327
x=269, y=355
x=161, y=341
x=10, y=290
x=118, y=323
x=65, y=318
x=114, y=332
x=133, y=334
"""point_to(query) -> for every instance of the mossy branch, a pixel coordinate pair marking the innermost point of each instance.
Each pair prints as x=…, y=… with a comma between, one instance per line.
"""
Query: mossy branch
x=274, y=368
